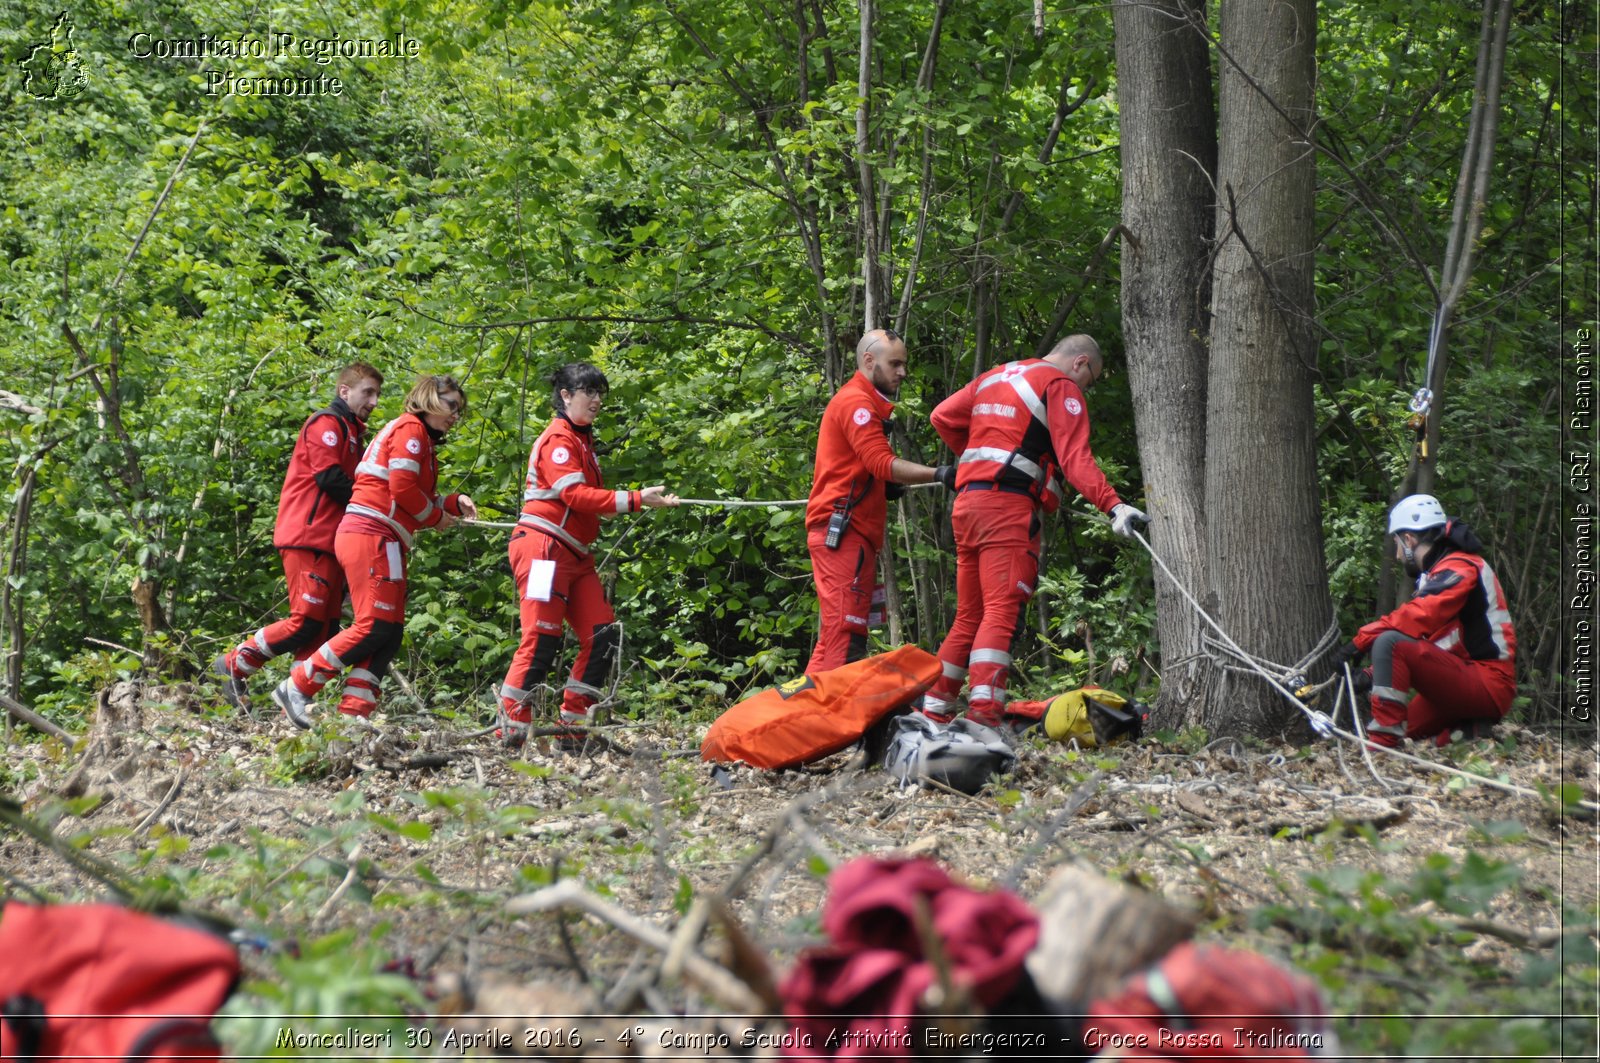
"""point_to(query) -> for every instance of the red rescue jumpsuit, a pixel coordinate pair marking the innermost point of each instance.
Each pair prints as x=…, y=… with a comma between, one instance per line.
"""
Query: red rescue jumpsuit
x=1452, y=643
x=393, y=498
x=564, y=498
x=853, y=464
x=1016, y=428
x=315, y=491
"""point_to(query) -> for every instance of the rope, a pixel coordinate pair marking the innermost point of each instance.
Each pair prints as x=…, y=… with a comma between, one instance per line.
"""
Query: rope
x=730, y=503
x=1422, y=401
x=1320, y=722
x=1292, y=675
x=726, y=503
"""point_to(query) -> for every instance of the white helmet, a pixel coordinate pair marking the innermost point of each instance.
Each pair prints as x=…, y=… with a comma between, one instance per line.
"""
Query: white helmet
x=1416, y=513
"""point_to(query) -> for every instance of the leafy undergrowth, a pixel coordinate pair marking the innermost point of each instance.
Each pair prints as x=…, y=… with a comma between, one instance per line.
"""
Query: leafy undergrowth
x=1442, y=918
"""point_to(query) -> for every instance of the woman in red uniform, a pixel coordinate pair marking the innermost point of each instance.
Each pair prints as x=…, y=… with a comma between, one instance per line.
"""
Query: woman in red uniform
x=563, y=501
x=394, y=497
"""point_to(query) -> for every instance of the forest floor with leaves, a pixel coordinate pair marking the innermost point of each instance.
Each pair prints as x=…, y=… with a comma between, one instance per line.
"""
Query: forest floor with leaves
x=1407, y=894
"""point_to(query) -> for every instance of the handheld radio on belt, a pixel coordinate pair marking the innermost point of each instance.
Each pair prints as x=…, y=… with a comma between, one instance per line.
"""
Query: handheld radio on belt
x=840, y=519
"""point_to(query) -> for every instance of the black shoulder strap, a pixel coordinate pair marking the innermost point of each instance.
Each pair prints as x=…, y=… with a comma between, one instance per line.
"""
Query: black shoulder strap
x=344, y=426
x=26, y=1017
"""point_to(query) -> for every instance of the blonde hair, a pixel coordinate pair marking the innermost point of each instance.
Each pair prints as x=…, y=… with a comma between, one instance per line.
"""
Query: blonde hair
x=427, y=395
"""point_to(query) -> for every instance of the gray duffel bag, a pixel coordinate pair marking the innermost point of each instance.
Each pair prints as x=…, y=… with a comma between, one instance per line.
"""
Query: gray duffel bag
x=961, y=754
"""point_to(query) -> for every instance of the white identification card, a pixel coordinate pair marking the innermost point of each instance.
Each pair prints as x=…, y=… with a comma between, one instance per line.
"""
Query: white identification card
x=541, y=577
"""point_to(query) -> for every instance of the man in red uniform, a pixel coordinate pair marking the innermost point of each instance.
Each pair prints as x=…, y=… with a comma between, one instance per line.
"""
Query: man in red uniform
x=395, y=496
x=1017, y=429
x=846, y=512
x=1452, y=642
x=316, y=489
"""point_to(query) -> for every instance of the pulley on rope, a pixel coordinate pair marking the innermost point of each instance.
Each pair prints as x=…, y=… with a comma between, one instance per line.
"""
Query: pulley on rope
x=1421, y=403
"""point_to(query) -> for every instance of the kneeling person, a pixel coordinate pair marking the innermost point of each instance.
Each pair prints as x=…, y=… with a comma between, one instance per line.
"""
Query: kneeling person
x=1452, y=643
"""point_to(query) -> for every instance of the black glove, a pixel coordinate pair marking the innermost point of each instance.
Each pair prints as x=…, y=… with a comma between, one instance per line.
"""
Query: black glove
x=946, y=474
x=1347, y=654
x=1362, y=686
x=893, y=491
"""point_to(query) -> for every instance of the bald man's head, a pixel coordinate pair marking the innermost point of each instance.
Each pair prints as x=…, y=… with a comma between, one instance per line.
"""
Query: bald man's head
x=1079, y=357
x=881, y=357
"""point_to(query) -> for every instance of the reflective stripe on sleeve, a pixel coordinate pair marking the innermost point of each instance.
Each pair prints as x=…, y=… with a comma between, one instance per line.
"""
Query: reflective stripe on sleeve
x=567, y=481
x=405, y=463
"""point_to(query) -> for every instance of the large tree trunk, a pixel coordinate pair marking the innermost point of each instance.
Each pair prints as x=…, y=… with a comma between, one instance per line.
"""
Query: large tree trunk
x=1168, y=163
x=1264, y=525
x=877, y=311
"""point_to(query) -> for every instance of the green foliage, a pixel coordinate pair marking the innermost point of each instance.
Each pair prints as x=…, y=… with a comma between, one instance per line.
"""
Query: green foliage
x=672, y=192
x=1386, y=946
x=507, y=177
x=337, y=983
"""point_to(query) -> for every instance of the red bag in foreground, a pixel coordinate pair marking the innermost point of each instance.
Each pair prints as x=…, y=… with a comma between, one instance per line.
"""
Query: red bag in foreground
x=853, y=998
x=808, y=718
x=96, y=980
x=1209, y=1002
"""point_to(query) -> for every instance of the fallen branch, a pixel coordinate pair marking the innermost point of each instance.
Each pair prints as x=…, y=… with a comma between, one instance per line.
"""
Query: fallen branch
x=349, y=877
x=1522, y=939
x=1377, y=819
x=166, y=802
x=1081, y=796
x=21, y=712
x=571, y=894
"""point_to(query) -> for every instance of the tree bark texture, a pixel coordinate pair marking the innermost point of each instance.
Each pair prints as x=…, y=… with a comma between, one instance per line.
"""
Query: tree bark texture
x=1168, y=166
x=1263, y=512
x=876, y=311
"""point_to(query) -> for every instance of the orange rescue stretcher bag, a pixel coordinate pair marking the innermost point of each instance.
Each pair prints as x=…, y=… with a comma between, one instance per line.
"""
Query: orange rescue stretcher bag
x=810, y=717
